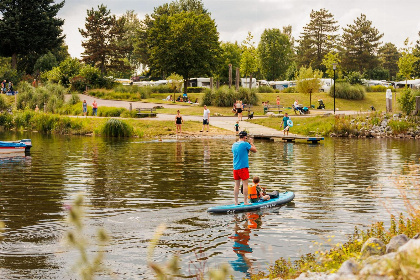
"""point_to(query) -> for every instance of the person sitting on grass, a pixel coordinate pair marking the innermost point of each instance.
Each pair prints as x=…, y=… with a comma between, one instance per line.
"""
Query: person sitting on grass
x=256, y=193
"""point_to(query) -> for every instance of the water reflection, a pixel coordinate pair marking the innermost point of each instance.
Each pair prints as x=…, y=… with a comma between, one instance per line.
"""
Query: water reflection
x=132, y=186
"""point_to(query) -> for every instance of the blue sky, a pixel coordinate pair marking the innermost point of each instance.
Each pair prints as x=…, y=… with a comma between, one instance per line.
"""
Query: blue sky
x=398, y=20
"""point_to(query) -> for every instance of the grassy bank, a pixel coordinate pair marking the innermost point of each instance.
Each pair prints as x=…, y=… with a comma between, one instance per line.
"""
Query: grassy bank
x=53, y=123
x=376, y=99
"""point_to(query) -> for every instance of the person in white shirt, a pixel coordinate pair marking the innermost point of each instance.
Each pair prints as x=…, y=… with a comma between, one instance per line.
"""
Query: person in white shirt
x=206, y=118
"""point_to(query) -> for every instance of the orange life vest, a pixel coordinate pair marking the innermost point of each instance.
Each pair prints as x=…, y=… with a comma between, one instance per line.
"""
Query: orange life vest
x=252, y=191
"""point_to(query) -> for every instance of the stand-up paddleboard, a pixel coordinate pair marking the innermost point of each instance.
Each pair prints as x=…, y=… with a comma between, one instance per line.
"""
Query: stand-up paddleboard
x=290, y=123
x=282, y=198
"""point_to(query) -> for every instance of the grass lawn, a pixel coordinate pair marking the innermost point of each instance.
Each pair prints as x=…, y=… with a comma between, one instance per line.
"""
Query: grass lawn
x=317, y=125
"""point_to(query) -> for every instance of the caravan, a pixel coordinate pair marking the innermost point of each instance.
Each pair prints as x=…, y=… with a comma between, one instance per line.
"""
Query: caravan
x=245, y=82
x=199, y=82
x=281, y=85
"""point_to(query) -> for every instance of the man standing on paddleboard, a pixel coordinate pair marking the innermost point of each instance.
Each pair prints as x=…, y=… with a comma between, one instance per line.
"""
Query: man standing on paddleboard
x=240, y=150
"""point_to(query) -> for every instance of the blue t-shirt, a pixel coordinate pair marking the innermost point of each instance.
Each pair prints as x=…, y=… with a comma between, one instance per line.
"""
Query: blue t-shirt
x=240, y=151
x=285, y=119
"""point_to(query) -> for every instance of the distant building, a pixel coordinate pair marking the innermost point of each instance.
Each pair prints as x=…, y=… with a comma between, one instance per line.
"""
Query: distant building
x=199, y=82
x=245, y=82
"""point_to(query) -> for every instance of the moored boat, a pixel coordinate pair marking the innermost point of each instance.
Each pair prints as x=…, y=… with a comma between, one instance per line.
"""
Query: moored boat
x=23, y=146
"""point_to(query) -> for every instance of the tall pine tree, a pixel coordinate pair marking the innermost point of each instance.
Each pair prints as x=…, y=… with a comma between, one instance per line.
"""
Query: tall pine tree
x=102, y=34
x=388, y=57
x=416, y=66
x=29, y=28
x=318, y=38
x=360, y=43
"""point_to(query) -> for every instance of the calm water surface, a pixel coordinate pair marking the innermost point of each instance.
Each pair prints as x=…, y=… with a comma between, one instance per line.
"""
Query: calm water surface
x=133, y=186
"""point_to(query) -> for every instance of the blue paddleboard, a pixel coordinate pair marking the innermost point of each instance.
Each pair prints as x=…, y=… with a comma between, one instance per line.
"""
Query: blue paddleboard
x=282, y=198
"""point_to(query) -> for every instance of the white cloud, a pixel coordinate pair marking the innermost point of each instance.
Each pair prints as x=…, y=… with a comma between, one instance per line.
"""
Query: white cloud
x=234, y=18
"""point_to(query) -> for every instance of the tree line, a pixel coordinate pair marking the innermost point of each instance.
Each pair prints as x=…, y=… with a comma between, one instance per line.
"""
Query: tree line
x=181, y=38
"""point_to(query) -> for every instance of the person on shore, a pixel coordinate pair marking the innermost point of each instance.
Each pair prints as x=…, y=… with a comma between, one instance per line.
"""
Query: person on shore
x=36, y=109
x=255, y=192
x=237, y=127
x=84, y=108
x=278, y=100
x=94, y=108
x=239, y=108
x=3, y=87
x=285, y=124
x=240, y=150
x=178, y=122
x=34, y=83
x=206, y=118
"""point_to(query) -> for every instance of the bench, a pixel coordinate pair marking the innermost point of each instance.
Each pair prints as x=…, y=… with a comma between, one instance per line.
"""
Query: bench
x=273, y=108
x=146, y=112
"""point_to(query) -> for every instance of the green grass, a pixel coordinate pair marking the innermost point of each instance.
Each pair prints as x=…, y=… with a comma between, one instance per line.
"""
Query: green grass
x=318, y=125
x=376, y=99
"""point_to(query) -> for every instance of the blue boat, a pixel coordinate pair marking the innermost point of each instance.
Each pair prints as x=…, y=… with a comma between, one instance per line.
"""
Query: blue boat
x=277, y=199
x=7, y=147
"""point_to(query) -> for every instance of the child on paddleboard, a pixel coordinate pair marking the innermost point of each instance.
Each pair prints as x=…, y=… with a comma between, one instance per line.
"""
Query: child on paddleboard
x=256, y=192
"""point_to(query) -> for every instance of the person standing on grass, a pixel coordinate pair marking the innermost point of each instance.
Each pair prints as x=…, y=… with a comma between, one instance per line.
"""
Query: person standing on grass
x=206, y=118
x=95, y=108
x=240, y=150
x=178, y=122
x=84, y=105
x=278, y=100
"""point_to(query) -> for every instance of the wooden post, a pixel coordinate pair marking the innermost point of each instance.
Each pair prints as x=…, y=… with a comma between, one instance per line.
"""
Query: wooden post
x=417, y=105
x=45, y=107
x=250, y=81
x=230, y=75
x=131, y=107
x=211, y=83
x=237, y=79
x=218, y=84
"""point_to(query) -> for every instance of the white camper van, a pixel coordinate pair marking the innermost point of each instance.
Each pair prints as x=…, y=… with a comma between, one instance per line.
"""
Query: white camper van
x=245, y=82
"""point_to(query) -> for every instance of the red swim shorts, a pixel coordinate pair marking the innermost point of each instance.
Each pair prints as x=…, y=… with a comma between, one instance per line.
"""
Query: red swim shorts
x=242, y=173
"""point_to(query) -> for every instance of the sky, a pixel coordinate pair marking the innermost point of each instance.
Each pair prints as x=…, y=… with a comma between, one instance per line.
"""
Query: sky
x=397, y=20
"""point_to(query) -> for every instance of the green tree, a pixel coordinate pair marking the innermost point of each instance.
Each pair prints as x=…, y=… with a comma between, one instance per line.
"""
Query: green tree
x=143, y=40
x=308, y=81
x=45, y=62
x=103, y=34
x=230, y=54
x=29, y=28
x=328, y=60
x=388, y=57
x=249, y=62
x=318, y=38
x=360, y=43
x=186, y=43
x=274, y=52
x=416, y=52
x=129, y=37
x=406, y=61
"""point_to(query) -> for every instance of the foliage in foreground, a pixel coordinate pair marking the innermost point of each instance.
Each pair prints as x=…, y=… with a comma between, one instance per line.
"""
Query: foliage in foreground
x=406, y=266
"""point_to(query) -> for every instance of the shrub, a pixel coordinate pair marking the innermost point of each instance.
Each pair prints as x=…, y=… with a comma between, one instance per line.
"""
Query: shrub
x=110, y=111
x=265, y=89
x=399, y=126
x=348, y=91
x=23, y=119
x=3, y=103
x=354, y=78
x=6, y=120
x=117, y=128
x=289, y=90
x=225, y=97
x=195, y=89
x=74, y=99
x=208, y=97
x=378, y=88
x=78, y=83
x=407, y=101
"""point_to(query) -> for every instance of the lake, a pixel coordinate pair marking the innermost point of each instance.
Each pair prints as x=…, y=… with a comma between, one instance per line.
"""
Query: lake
x=132, y=186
